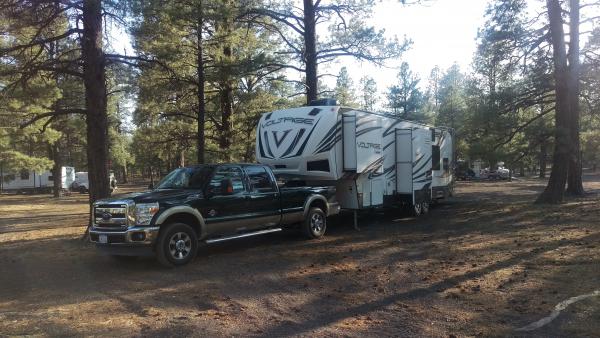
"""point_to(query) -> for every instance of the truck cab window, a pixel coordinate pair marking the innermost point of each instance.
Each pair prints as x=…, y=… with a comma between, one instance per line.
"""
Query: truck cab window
x=260, y=180
x=232, y=173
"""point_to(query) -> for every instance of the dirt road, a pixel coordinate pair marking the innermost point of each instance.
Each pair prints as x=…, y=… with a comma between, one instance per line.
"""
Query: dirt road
x=484, y=264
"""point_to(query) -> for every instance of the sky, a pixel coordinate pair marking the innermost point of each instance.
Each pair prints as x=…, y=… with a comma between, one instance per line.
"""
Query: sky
x=443, y=32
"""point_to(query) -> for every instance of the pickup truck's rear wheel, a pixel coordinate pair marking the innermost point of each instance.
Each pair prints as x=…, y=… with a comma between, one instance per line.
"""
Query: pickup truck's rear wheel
x=315, y=223
x=177, y=245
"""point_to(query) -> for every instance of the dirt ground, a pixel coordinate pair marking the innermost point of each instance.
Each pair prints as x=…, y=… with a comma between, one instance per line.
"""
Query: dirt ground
x=482, y=264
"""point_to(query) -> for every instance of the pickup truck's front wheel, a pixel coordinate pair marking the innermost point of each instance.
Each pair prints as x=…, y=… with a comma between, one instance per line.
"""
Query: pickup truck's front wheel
x=177, y=245
x=315, y=223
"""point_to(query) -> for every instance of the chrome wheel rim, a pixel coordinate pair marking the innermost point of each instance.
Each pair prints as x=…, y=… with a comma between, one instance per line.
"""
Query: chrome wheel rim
x=417, y=209
x=180, y=245
x=317, y=223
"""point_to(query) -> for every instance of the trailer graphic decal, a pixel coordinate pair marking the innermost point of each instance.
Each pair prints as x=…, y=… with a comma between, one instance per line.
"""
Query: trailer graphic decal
x=268, y=146
x=260, y=145
x=279, y=141
x=390, y=130
x=366, y=130
x=294, y=143
x=415, y=172
x=301, y=150
x=330, y=139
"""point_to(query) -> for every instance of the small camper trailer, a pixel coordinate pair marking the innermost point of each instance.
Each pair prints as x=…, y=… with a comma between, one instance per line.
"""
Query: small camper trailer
x=28, y=181
x=373, y=159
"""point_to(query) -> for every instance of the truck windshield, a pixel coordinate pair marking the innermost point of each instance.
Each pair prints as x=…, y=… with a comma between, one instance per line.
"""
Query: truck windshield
x=186, y=178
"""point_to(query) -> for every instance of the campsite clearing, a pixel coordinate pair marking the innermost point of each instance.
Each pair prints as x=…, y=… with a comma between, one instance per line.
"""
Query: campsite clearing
x=484, y=263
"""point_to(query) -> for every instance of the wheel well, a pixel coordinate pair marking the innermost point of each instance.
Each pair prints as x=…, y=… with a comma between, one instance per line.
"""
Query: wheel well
x=319, y=203
x=186, y=218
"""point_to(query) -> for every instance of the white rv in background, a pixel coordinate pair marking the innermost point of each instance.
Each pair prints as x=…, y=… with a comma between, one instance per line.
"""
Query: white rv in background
x=28, y=181
x=82, y=182
x=374, y=160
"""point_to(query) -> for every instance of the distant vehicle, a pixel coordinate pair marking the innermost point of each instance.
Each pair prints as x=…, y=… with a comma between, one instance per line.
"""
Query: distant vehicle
x=209, y=203
x=374, y=160
x=29, y=181
x=500, y=173
x=82, y=183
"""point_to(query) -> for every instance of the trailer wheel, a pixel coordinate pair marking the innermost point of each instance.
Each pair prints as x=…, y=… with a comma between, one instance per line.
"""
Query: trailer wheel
x=314, y=224
x=424, y=207
x=177, y=245
x=417, y=209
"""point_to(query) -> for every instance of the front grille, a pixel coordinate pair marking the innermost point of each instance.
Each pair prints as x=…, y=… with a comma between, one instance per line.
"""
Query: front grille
x=110, y=215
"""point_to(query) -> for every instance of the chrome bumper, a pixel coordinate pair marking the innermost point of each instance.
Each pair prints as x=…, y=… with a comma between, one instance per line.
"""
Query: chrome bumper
x=131, y=236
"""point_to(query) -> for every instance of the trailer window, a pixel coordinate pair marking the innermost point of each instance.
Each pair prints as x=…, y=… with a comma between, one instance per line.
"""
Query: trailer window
x=435, y=157
x=259, y=179
x=24, y=174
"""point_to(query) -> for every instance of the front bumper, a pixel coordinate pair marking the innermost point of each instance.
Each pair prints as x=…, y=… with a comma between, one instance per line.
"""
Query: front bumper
x=132, y=236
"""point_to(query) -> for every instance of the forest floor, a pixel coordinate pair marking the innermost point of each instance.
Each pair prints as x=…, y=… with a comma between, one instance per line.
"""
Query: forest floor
x=485, y=263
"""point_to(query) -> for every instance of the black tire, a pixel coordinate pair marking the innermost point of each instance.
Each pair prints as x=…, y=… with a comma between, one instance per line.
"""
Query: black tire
x=82, y=190
x=425, y=207
x=416, y=209
x=315, y=223
x=177, y=245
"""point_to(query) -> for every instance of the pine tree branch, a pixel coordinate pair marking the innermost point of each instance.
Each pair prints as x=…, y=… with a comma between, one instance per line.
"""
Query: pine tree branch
x=33, y=43
x=54, y=113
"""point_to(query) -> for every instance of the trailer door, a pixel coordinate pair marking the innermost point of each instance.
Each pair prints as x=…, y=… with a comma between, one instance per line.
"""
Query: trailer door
x=404, y=164
x=349, y=141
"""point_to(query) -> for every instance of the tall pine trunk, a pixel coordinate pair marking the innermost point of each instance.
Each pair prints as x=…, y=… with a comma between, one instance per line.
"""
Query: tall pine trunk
x=554, y=191
x=310, y=47
x=543, y=158
x=201, y=114
x=226, y=123
x=95, y=100
x=55, y=155
x=574, y=181
x=226, y=84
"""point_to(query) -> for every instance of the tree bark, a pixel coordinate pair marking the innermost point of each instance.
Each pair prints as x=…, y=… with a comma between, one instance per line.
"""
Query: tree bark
x=201, y=114
x=125, y=179
x=226, y=85
x=310, y=53
x=56, y=168
x=543, y=159
x=554, y=191
x=574, y=181
x=95, y=100
x=226, y=98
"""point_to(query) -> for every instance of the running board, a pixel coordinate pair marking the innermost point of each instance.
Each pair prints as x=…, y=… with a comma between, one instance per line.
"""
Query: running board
x=249, y=234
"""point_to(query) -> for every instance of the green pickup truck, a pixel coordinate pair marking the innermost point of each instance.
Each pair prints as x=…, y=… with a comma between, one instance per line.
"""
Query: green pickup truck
x=208, y=203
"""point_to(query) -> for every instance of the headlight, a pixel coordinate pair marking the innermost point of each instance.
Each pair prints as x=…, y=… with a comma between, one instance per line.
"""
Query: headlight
x=144, y=213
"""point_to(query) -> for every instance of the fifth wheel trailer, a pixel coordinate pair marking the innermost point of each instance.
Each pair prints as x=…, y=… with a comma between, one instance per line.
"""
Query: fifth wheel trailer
x=31, y=181
x=374, y=160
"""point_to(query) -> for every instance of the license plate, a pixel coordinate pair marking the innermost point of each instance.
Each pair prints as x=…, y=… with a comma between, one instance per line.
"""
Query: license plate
x=103, y=239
